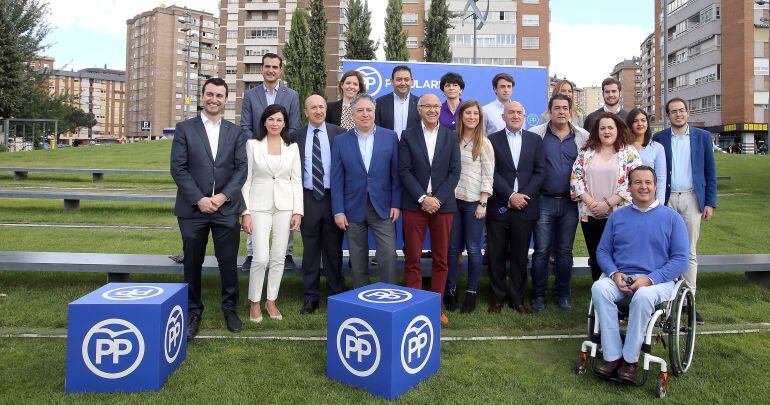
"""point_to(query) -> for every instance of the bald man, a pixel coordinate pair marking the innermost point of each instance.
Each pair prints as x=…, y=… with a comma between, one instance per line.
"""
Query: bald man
x=513, y=208
x=321, y=238
x=429, y=167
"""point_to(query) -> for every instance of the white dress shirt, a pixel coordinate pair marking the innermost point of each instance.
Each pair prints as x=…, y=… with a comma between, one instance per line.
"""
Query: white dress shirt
x=270, y=97
x=400, y=113
x=212, y=132
x=493, y=117
x=514, y=142
x=430, y=143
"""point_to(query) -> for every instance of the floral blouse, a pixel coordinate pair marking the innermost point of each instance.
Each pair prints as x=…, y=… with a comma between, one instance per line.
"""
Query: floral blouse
x=628, y=158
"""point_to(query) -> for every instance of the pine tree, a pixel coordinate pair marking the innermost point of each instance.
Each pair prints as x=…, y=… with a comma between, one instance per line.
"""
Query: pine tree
x=317, y=29
x=297, y=72
x=23, y=27
x=395, y=37
x=359, y=46
x=436, y=42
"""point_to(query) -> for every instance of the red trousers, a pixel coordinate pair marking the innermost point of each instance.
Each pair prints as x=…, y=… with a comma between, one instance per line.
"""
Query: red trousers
x=415, y=225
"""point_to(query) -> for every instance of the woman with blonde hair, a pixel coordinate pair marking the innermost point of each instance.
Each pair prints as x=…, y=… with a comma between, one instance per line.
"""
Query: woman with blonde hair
x=474, y=188
x=566, y=88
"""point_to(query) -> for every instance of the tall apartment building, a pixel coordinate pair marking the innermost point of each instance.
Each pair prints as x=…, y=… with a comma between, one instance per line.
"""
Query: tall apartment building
x=593, y=99
x=628, y=73
x=101, y=92
x=709, y=45
x=249, y=29
x=42, y=63
x=170, y=52
x=649, y=100
x=515, y=32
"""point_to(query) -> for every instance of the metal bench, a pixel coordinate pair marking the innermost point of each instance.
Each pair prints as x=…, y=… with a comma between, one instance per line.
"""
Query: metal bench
x=119, y=266
x=21, y=173
x=72, y=198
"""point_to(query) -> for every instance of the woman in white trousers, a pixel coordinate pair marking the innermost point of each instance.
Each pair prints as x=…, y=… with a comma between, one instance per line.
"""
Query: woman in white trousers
x=273, y=195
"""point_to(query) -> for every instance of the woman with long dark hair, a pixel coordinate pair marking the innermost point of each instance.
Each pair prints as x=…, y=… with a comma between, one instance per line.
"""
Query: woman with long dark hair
x=273, y=195
x=651, y=152
x=599, y=180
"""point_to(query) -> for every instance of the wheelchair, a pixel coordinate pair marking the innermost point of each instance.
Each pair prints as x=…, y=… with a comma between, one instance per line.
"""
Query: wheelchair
x=672, y=323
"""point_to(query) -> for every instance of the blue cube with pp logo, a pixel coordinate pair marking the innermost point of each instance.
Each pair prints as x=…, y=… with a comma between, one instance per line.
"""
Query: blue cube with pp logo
x=126, y=337
x=383, y=338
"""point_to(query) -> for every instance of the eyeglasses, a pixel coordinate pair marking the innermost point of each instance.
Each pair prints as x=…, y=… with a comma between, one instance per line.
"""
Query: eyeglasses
x=679, y=111
x=430, y=107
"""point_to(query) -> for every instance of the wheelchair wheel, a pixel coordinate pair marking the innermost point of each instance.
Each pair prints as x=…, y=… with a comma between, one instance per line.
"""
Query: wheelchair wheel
x=681, y=338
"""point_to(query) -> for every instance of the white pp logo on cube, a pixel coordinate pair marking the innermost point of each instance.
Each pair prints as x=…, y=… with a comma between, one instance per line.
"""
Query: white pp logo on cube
x=172, y=338
x=385, y=295
x=417, y=344
x=112, y=339
x=134, y=292
x=358, y=347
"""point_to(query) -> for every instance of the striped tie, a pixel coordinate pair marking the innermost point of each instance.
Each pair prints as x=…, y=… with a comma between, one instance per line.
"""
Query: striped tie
x=318, y=167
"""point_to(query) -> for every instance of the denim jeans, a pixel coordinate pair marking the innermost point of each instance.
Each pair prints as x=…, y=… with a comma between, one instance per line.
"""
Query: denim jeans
x=466, y=232
x=555, y=230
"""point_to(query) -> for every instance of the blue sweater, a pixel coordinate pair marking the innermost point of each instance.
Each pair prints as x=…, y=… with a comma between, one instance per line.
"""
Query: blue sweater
x=652, y=243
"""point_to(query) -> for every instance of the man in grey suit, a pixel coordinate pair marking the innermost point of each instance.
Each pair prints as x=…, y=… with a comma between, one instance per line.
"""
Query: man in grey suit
x=209, y=166
x=255, y=101
x=321, y=238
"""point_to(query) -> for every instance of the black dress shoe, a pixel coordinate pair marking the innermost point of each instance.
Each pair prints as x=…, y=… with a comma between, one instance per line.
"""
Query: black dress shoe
x=193, y=325
x=232, y=321
x=564, y=305
x=450, y=301
x=469, y=305
x=609, y=368
x=309, y=307
x=289, y=264
x=246, y=266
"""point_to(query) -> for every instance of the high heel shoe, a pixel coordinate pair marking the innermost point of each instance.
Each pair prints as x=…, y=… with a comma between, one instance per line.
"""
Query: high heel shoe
x=258, y=319
x=277, y=316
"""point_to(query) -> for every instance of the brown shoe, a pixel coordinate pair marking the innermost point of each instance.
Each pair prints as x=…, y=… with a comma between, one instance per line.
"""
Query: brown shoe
x=627, y=372
x=444, y=320
x=522, y=309
x=608, y=368
x=495, y=308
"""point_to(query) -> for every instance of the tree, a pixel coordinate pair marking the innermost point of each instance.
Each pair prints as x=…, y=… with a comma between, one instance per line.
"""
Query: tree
x=436, y=42
x=317, y=29
x=23, y=26
x=359, y=46
x=298, y=56
x=395, y=37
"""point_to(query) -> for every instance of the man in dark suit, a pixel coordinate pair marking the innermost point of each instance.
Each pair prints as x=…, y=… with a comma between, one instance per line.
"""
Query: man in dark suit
x=321, y=238
x=691, y=184
x=209, y=166
x=397, y=111
x=255, y=101
x=611, y=89
x=429, y=166
x=513, y=207
x=366, y=190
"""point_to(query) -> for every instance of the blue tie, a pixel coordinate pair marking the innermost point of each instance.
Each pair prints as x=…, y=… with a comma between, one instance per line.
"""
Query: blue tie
x=318, y=167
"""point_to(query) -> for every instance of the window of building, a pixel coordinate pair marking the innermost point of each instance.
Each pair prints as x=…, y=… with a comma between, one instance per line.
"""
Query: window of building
x=232, y=17
x=530, y=63
x=264, y=33
x=232, y=34
x=409, y=18
x=530, y=43
x=760, y=66
x=412, y=42
x=530, y=1
x=509, y=16
x=231, y=52
x=530, y=20
x=231, y=70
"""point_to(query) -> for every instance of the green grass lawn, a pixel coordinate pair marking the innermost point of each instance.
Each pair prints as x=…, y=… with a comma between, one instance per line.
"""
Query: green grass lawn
x=728, y=368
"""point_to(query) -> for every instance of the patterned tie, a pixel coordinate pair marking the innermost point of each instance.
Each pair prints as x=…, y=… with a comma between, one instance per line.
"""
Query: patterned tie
x=318, y=167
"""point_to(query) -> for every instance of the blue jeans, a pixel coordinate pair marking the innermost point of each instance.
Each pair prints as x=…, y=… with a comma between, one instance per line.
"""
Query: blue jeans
x=555, y=229
x=466, y=232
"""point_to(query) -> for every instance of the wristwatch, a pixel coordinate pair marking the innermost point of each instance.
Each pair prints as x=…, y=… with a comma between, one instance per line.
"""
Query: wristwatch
x=483, y=204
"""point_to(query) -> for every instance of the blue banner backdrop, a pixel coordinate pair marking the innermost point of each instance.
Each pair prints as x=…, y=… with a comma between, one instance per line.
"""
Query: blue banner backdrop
x=530, y=90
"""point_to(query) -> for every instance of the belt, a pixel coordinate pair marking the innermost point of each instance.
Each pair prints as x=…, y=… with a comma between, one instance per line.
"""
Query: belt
x=311, y=190
x=557, y=196
x=683, y=192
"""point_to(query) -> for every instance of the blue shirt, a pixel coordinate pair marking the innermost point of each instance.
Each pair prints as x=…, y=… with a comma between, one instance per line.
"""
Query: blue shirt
x=514, y=142
x=654, y=155
x=681, y=170
x=366, y=146
x=326, y=156
x=560, y=155
x=652, y=243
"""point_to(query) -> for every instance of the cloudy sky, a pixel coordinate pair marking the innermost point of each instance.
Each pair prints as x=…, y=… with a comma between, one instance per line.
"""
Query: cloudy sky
x=588, y=37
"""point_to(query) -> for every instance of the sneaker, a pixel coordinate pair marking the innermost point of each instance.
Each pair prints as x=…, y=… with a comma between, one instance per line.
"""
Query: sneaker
x=564, y=305
x=246, y=266
x=538, y=304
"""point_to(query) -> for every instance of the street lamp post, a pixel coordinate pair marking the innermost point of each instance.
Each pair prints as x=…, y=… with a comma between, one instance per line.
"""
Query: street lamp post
x=766, y=20
x=187, y=19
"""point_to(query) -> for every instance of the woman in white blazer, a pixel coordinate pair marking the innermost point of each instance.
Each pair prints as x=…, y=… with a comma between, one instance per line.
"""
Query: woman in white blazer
x=273, y=196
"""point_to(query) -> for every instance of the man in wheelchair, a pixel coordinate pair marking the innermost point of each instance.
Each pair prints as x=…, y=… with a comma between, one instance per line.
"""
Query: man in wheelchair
x=643, y=249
